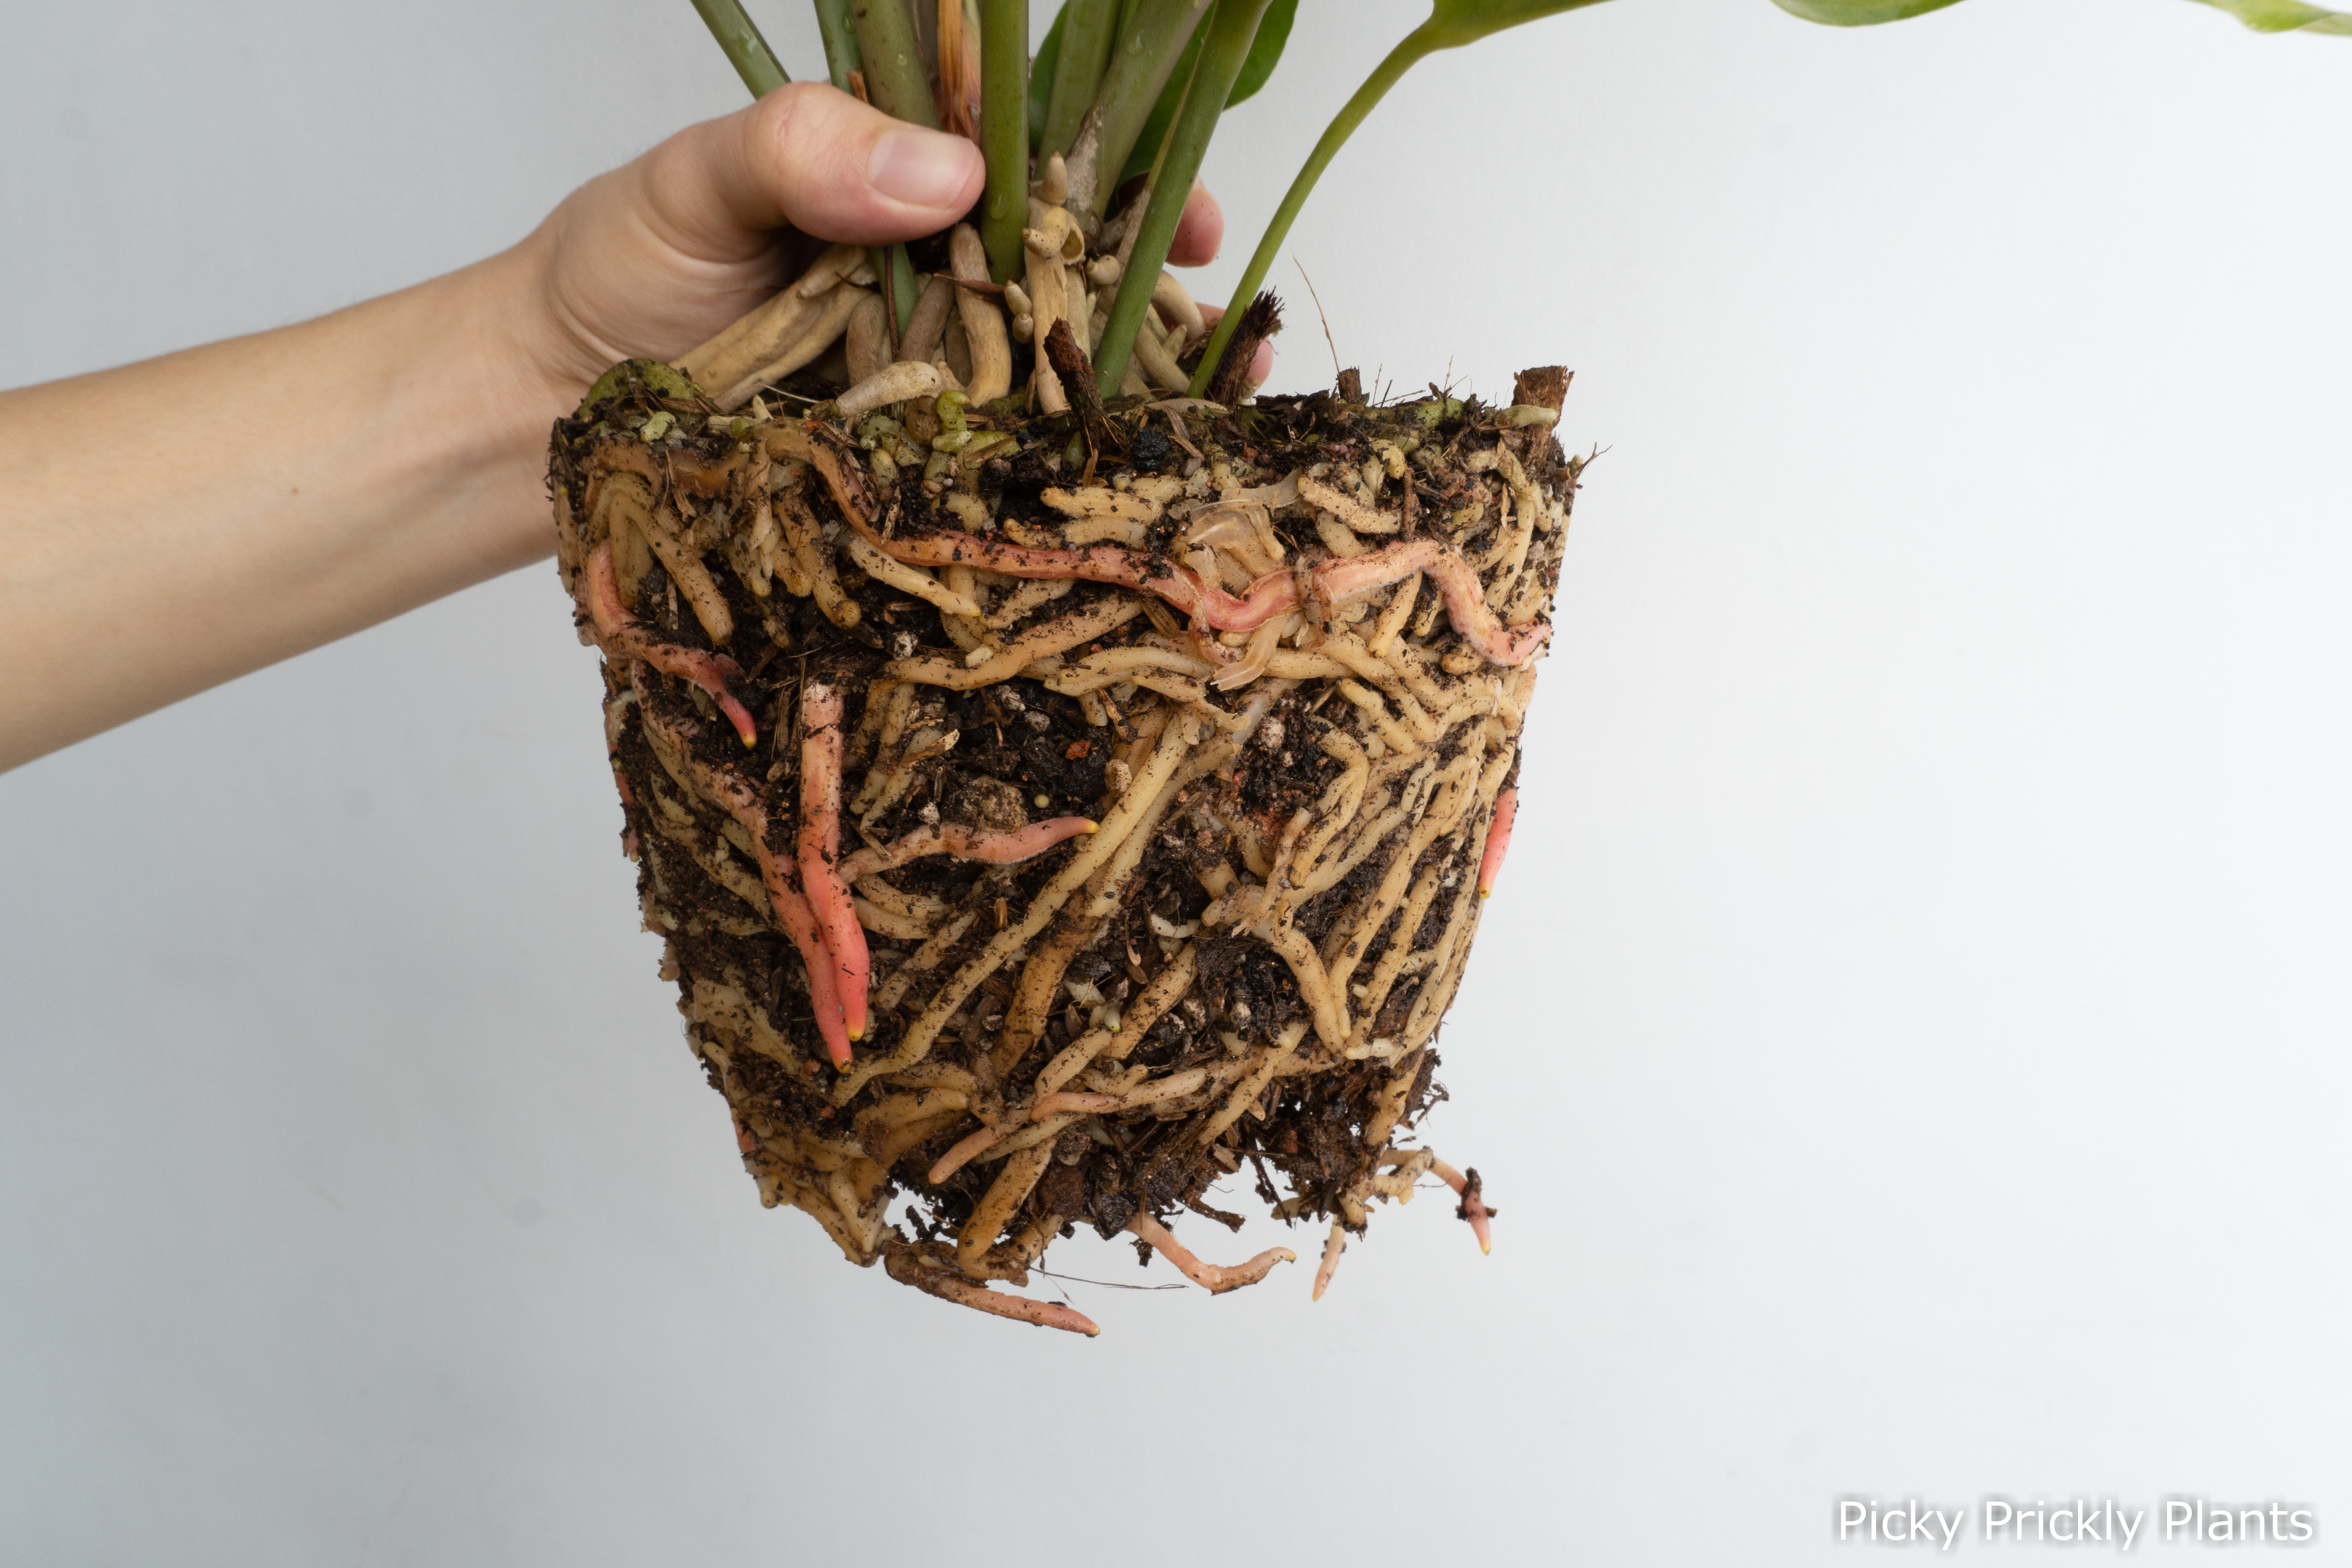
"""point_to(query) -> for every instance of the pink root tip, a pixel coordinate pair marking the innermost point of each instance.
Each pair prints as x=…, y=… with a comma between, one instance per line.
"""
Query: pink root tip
x=740, y=717
x=1472, y=1194
x=1498, y=840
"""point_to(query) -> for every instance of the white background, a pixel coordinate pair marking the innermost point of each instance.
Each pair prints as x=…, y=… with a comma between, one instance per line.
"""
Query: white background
x=1907, y=1045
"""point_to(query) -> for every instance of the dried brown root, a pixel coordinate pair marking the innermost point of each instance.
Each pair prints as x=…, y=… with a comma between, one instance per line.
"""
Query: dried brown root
x=622, y=637
x=1473, y=1207
x=775, y=339
x=984, y=323
x=894, y=383
x=927, y=329
x=904, y=1266
x=1498, y=840
x=1211, y=1276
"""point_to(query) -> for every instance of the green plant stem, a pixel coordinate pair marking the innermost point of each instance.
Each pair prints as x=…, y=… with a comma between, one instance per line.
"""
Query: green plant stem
x=838, y=27
x=746, y=50
x=1088, y=29
x=1451, y=24
x=891, y=54
x=896, y=80
x=1222, y=52
x=1004, y=130
x=1143, y=56
x=1417, y=45
x=902, y=291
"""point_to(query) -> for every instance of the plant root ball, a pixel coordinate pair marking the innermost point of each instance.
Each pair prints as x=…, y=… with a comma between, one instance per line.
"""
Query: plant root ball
x=1121, y=791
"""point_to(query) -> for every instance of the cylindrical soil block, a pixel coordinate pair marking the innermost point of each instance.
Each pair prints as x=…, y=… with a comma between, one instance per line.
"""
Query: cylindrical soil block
x=1046, y=819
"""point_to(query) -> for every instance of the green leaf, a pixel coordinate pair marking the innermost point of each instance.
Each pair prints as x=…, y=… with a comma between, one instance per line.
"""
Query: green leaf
x=2261, y=16
x=1860, y=12
x=1266, y=51
x=2284, y=16
x=1454, y=22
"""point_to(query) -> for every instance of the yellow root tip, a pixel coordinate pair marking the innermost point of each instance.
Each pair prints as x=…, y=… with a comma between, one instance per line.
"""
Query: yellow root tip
x=1486, y=1247
x=1486, y=889
x=1318, y=1294
x=751, y=743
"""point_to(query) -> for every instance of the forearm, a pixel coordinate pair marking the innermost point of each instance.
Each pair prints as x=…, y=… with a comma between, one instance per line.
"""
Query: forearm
x=176, y=524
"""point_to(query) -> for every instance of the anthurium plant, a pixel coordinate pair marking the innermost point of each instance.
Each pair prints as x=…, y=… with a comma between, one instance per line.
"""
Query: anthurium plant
x=1061, y=779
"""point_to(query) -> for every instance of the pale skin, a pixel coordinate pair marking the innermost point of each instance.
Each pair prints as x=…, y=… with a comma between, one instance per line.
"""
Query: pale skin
x=162, y=536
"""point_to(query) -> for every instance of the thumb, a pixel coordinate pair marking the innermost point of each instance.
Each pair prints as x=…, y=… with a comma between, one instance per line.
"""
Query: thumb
x=815, y=158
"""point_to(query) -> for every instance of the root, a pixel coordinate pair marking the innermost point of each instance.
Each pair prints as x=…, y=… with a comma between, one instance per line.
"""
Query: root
x=664, y=533
x=1175, y=1087
x=923, y=960
x=907, y=579
x=950, y=998
x=733, y=796
x=1004, y=1195
x=904, y=1265
x=1473, y=1208
x=1056, y=636
x=1269, y=1062
x=1332, y=1248
x=622, y=637
x=806, y=541
x=984, y=323
x=1499, y=841
x=1240, y=956
x=1210, y=1277
x=1134, y=1024
x=967, y=1149
x=894, y=383
x=819, y=847
x=966, y=844
x=1334, y=581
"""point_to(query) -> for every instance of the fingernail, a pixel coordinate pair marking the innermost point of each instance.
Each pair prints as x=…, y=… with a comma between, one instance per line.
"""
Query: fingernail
x=922, y=168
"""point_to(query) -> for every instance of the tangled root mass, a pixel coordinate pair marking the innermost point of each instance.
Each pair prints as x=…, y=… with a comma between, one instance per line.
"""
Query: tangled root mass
x=1048, y=818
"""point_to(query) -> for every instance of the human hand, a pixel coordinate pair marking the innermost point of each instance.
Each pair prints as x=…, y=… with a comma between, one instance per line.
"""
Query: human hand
x=658, y=254
x=417, y=462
